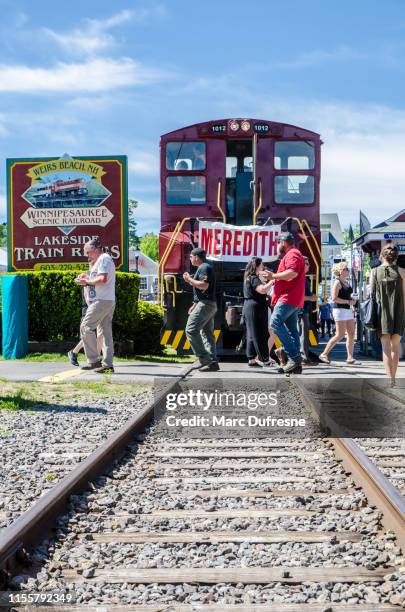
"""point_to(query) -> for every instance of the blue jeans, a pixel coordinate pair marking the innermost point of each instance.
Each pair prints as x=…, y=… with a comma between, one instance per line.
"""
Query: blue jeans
x=284, y=323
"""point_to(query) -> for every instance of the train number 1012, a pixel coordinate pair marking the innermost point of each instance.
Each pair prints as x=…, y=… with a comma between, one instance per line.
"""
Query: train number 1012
x=261, y=127
x=218, y=127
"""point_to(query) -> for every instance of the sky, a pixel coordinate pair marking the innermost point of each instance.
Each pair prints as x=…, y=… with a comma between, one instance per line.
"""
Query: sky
x=97, y=78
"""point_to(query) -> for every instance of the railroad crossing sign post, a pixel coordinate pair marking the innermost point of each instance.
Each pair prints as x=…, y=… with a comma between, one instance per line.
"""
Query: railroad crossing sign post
x=55, y=205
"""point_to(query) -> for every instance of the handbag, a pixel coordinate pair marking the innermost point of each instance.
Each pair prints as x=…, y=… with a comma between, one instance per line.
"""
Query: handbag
x=371, y=310
x=370, y=313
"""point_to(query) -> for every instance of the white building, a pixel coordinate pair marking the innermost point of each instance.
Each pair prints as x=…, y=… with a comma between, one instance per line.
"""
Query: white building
x=332, y=241
x=148, y=270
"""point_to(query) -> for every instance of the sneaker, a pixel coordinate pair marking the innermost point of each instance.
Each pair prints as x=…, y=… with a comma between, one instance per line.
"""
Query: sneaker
x=73, y=358
x=210, y=367
x=292, y=365
x=105, y=370
x=91, y=366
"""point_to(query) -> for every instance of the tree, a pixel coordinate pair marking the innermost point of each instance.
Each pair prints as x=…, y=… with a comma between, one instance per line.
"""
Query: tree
x=132, y=224
x=148, y=244
x=348, y=243
x=3, y=235
x=346, y=235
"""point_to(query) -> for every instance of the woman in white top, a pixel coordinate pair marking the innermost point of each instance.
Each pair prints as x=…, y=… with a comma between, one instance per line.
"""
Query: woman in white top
x=343, y=313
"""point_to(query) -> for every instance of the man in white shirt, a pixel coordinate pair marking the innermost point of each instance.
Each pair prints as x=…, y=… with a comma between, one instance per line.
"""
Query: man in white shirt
x=100, y=282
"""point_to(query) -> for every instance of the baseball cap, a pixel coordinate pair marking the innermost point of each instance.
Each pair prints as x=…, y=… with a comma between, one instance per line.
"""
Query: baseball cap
x=287, y=236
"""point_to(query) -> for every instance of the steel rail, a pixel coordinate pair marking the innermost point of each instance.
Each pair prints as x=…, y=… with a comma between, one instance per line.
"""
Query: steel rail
x=30, y=528
x=378, y=489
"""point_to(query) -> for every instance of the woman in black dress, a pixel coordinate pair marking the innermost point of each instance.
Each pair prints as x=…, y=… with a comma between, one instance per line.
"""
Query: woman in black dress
x=388, y=286
x=255, y=291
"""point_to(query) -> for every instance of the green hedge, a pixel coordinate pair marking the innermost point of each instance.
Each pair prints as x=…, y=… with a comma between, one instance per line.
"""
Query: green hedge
x=149, y=321
x=55, y=306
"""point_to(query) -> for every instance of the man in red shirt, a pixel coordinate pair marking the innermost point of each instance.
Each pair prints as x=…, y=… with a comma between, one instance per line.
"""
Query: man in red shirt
x=288, y=299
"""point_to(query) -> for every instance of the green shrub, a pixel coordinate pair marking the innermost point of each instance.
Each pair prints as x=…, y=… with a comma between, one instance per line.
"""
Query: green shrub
x=149, y=322
x=55, y=307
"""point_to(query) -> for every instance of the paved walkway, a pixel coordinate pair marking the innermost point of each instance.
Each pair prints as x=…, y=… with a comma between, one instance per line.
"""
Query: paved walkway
x=129, y=372
x=146, y=372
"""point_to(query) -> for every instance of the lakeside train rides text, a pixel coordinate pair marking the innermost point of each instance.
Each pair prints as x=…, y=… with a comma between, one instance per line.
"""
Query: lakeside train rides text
x=57, y=247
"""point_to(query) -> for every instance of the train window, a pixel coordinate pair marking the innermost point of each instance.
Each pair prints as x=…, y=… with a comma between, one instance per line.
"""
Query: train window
x=294, y=189
x=294, y=155
x=182, y=189
x=231, y=167
x=248, y=164
x=185, y=156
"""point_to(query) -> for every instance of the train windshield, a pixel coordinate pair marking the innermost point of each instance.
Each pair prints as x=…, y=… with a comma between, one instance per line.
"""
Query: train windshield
x=242, y=171
x=185, y=156
x=294, y=155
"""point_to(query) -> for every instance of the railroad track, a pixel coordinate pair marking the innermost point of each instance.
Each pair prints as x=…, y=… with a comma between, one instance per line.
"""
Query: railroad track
x=240, y=525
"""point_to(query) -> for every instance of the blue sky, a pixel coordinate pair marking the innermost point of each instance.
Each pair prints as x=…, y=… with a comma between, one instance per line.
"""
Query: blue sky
x=95, y=78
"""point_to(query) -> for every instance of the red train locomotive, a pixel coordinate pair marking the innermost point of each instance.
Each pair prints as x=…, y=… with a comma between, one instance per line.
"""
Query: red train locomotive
x=61, y=188
x=230, y=186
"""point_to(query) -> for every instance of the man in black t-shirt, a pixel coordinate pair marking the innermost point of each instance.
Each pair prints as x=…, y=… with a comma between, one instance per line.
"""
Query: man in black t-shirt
x=304, y=319
x=200, y=323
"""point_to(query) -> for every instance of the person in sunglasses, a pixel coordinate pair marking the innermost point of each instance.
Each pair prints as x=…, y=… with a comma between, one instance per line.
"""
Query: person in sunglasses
x=388, y=286
x=343, y=313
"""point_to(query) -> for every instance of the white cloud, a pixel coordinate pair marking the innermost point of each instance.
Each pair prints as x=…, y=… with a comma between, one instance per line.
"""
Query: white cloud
x=3, y=125
x=147, y=215
x=80, y=41
x=92, y=76
x=145, y=164
x=363, y=158
x=319, y=56
x=94, y=35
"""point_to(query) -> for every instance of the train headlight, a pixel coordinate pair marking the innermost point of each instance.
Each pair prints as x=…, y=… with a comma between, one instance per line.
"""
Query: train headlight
x=234, y=126
x=245, y=125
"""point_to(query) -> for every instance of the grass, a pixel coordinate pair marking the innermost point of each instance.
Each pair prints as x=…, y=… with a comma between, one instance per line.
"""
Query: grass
x=20, y=396
x=169, y=356
x=20, y=400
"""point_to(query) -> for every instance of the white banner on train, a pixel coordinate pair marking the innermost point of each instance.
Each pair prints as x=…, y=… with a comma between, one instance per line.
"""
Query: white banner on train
x=223, y=242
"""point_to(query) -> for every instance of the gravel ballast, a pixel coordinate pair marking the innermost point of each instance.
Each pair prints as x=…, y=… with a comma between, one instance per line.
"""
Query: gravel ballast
x=40, y=446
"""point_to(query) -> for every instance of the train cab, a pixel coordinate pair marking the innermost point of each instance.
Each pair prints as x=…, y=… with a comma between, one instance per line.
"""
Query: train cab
x=240, y=173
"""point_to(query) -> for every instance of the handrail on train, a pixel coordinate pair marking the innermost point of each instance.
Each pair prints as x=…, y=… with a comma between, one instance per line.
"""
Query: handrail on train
x=168, y=250
x=302, y=229
x=258, y=209
x=219, y=200
x=323, y=264
x=175, y=289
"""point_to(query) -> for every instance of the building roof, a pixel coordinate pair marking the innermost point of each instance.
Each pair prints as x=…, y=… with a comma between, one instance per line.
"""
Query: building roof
x=391, y=228
x=330, y=223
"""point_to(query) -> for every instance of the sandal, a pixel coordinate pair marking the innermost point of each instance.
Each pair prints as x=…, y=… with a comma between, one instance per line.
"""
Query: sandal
x=353, y=362
x=254, y=364
x=324, y=359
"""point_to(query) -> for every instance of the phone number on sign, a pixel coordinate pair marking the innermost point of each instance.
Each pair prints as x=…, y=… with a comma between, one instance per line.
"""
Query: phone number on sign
x=23, y=598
